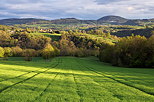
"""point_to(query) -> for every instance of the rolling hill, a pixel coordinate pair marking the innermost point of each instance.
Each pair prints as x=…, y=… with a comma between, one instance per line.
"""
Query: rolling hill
x=13, y=21
x=115, y=20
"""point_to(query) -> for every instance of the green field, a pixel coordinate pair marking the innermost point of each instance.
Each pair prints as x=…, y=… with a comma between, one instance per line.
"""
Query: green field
x=69, y=79
x=55, y=37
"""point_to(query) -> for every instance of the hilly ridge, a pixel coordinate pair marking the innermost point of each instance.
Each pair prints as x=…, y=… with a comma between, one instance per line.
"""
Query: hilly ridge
x=13, y=21
x=112, y=20
x=115, y=20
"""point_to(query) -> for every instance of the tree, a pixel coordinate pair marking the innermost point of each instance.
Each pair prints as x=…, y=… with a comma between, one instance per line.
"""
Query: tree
x=1, y=52
x=108, y=35
x=106, y=53
x=28, y=54
x=64, y=46
x=130, y=51
x=133, y=51
x=8, y=52
x=6, y=40
x=17, y=51
x=150, y=52
x=48, y=51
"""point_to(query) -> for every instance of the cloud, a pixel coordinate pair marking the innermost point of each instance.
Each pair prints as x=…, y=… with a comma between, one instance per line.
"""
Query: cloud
x=83, y=9
x=108, y=1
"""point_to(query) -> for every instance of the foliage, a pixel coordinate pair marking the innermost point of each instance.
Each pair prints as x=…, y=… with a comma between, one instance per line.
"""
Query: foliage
x=147, y=32
x=30, y=41
x=6, y=40
x=48, y=51
x=17, y=51
x=28, y=54
x=1, y=52
x=8, y=52
x=134, y=51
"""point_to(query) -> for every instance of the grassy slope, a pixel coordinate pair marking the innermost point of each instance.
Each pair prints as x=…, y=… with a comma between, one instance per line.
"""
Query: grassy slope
x=68, y=79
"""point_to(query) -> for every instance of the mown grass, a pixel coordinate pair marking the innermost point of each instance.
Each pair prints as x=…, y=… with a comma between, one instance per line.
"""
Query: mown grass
x=69, y=79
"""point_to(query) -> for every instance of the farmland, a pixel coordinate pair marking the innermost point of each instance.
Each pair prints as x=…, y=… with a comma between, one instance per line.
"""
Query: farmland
x=70, y=79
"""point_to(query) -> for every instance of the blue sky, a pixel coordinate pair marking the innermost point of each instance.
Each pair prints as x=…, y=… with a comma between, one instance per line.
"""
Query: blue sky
x=81, y=9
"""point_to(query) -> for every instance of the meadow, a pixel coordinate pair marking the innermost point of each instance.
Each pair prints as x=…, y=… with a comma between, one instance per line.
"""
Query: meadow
x=70, y=79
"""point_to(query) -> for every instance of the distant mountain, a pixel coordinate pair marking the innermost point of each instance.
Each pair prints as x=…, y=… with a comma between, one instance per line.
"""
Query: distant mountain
x=66, y=21
x=131, y=22
x=72, y=21
x=112, y=20
x=115, y=20
x=13, y=21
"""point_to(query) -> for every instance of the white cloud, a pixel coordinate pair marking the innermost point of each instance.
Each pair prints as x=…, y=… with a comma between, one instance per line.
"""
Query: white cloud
x=86, y=9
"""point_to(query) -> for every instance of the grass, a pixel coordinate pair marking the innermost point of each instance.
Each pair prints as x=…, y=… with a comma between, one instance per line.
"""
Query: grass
x=69, y=79
x=55, y=37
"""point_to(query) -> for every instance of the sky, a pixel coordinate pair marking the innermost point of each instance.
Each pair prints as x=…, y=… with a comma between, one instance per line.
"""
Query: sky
x=81, y=9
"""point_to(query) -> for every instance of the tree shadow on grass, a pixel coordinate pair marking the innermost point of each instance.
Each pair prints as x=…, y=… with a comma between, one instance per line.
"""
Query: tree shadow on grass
x=90, y=62
x=19, y=61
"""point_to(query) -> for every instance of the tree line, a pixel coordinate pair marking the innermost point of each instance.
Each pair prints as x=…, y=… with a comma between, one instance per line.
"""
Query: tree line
x=133, y=51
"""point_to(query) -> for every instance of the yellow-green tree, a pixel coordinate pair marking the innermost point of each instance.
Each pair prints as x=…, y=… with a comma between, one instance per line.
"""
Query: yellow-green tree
x=1, y=52
x=48, y=51
x=8, y=51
